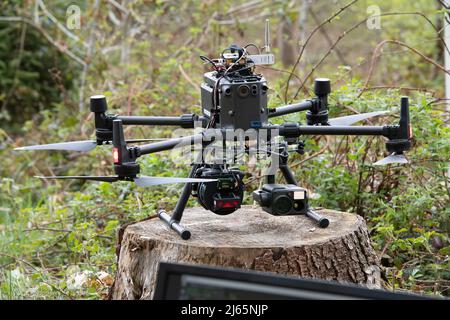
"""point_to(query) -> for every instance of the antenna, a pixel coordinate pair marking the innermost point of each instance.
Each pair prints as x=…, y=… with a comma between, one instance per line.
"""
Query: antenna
x=266, y=57
x=267, y=36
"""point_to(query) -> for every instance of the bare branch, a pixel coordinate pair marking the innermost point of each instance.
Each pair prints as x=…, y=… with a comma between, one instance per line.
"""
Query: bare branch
x=376, y=54
x=352, y=29
x=327, y=37
x=119, y=6
x=433, y=92
x=88, y=55
x=243, y=20
x=328, y=20
x=62, y=48
x=58, y=24
x=188, y=79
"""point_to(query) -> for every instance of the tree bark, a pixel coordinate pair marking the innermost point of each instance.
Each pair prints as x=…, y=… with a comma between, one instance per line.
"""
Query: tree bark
x=249, y=239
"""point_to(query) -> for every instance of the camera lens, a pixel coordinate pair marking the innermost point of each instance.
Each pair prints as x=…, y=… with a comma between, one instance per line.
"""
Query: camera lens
x=243, y=90
x=282, y=204
x=299, y=205
x=254, y=89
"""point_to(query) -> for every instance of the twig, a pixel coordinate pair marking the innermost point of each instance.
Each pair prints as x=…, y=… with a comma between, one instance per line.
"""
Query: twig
x=188, y=79
x=376, y=54
x=388, y=242
x=352, y=29
x=327, y=37
x=41, y=4
x=59, y=46
x=311, y=156
x=119, y=6
x=46, y=229
x=88, y=57
x=433, y=92
x=35, y=269
x=317, y=28
x=248, y=5
x=244, y=20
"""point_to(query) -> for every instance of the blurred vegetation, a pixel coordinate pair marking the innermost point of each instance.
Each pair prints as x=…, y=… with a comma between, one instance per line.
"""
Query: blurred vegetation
x=32, y=77
x=57, y=240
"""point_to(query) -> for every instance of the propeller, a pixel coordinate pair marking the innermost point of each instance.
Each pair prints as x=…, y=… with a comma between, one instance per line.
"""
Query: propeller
x=400, y=140
x=142, y=181
x=349, y=120
x=392, y=158
x=82, y=146
x=91, y=178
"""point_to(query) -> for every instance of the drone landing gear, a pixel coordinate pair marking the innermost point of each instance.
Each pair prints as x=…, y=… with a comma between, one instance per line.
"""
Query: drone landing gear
x=322, y=222
x=174, y=221
x=174, y=225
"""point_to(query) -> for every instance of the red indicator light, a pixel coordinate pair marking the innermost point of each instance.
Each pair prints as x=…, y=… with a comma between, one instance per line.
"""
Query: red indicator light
x=228, y=204
x=116, y=155
x=220, y=204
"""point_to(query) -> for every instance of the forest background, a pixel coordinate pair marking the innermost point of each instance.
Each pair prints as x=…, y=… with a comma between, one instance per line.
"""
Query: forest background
x=57, y=240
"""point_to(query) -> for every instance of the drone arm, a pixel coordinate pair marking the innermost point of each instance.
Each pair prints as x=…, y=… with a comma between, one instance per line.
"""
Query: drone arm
x=317, y=108
x=341, y=130
x=295, y=130
x=169, y=144
x=291, y=108
x=104, y=122
x=184, y=121
x=399, y=135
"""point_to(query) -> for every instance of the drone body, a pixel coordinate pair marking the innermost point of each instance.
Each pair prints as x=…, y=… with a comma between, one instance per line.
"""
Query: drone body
x=233, y=91
x=234, y=104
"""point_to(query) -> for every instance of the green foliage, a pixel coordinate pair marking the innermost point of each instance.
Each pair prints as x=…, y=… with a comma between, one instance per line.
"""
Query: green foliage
x=31, y=77
x=406, y=207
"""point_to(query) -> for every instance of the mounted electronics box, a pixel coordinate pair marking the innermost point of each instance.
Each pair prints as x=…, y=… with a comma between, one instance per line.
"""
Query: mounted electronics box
x=242, y=100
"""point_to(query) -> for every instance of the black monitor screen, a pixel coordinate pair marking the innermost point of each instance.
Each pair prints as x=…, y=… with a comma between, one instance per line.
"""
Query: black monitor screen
x=189, y=282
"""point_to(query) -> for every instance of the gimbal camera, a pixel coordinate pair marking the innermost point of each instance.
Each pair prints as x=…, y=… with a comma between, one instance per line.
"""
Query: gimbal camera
x=234, y=99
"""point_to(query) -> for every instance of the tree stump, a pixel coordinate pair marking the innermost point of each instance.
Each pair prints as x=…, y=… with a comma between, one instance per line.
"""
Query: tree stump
x=249, y=239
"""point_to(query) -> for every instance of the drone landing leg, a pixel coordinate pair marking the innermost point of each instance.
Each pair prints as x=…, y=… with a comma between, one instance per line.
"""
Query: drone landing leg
x=174, y=225
x=321, y=220
x=174, y=221
x=288, y=174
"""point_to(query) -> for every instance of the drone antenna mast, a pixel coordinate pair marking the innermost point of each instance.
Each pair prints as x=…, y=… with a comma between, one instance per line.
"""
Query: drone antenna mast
x=267, y=36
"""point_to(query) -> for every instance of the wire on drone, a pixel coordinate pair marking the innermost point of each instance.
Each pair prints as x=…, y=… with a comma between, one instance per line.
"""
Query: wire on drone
x=206, y=59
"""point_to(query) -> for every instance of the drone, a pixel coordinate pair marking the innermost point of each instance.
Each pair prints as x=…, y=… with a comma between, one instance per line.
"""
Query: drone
x=235, y=114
